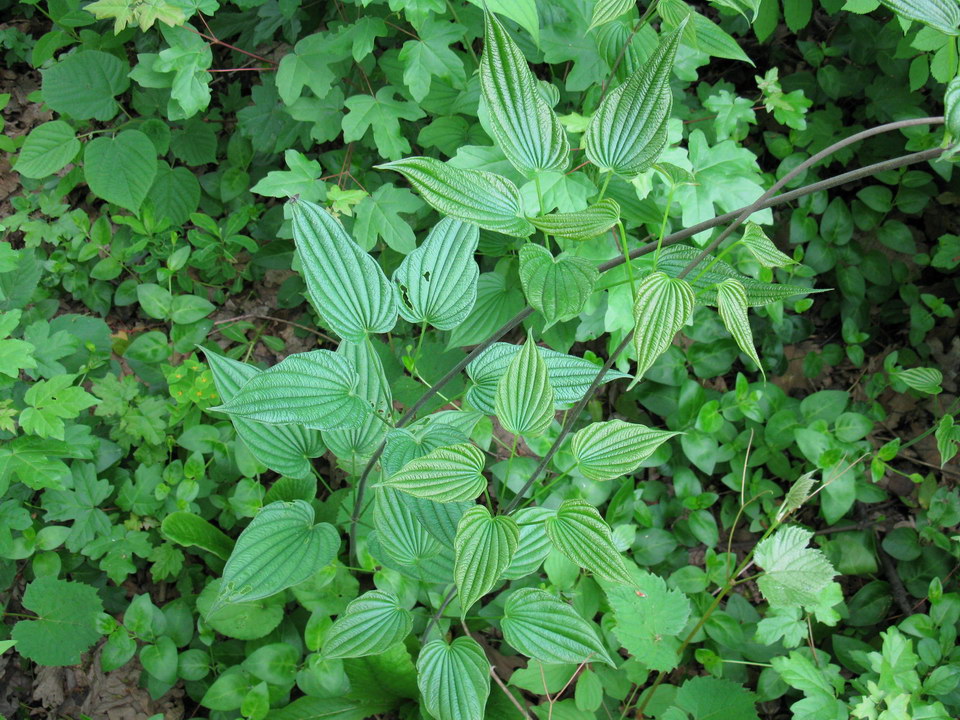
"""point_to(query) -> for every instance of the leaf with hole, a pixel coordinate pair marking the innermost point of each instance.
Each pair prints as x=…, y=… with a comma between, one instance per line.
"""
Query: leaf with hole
x=558, y=287
x=663, y=305
x=732, y=306
x=595, y=220
x=447, y=474
x=484, y=546
x=578, y=531
x=608, y=450
x=524, y=399
x=368, y=626
x=454, y=679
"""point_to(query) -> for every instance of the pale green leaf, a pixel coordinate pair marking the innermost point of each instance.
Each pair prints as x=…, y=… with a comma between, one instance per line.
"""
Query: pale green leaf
x=629, y=129
x=437, y=282
x=558, y=287
x=797, y=495
x=378, y=217
x=47, y=149
x=447, y=474
x=383, y=113
x=345, y=284
x=595, y=220
x=544, y=628
x=189, y=530
x=948, y=438
x=524, y=399
x=524, y=126
x=606, y=10
x=942, y=15
x=474, y=196
x=522, y=12
x=608, y=450
x=281, y=547
x=578, y=531
x=368, y=626
x=793, y=573
x=121, y=169
x=732, y=306
x=710, y=698
x=400, y=534
x=663, y=305
x=763, y=249
x=317, y=389
x=484, y=546
x=534, y=544
x=454, y=679
x=922, y=379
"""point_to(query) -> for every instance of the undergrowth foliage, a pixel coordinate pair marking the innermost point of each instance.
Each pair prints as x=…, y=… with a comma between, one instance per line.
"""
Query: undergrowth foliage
x=264, y=428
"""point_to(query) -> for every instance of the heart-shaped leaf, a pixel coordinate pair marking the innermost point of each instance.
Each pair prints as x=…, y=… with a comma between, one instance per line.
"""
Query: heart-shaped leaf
x=595, y=220
x=524, y=400
x=557, y=287
x=534, y=544
x=454, y=679
x=763, y=249
x=484, y=546
x=368, y=626
x=608, y=450
x=121, y=169
x=732, y=305
x=447, y=474
x=578, y=531
x=663, y=305
x=943, y=15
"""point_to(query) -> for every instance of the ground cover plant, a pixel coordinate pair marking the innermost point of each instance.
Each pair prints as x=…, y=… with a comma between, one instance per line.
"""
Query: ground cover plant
x=571, y=359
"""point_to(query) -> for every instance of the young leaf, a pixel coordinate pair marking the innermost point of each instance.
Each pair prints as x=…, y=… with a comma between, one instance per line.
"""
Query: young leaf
x=663, y=306
x=578, y=531
x=66, y=623
x=484, y=546
x=121, y=169
x=285, y=449
x=629, y=129
x=534, y=544
x=544, y=628
x=606, y=10
x=187, y=529
x=607, y=450
x=454, y=679
x=317, y=389
x=793, y=573
x=942, y=15
x=948, y=438
x=447, y=474
x=732, y=305
x=557, y=287
x=921, y=379
x=437, y=282
x=345, y=284
x=763, y=249
x=281, y=547
x=368, y=626
x=797, y=494
x=474, y=196
x=595, y=220
x=47, y=149
x=524, y=401
x=523, y=124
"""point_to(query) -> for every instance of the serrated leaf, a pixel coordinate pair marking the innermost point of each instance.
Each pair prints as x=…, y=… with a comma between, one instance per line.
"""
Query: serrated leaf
x=663, y=305
x=47, y=149
x=703, y=697
x=557, y=287
x=595, y=220
x=763, y=249
x=794, y=574
x=484, y=546
x=66, y=620
x=922, y=379
x=578, y=531
x=84, y=84
x=942, y=15
x=378, y=216
x=732, y=306
x=345, y=285
x=544, y=628
x=608, y=450
x=797, y=495
x=454, y=679
x=474, y=196
x=524, y=126
x=569, y=376
x=383, y=113
x=121, y=169
x=318, y=389
x=280, y=548
x=606, y=10
x=534, y=544
x=368, y=626
x=285, y=449
x=448, y=474
x=189, y=530
x=437, y=282
x=524, y=400
x=629, y=129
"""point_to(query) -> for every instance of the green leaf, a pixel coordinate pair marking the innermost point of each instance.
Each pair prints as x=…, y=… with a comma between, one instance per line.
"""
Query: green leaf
x=606, y=10
x=629, y=129
x=47, y=149
x=544, y=628
x=948, y=439
x=317, y=389
x=121, y=169
x=302, y=180
x=285, y=449
x=281, y=547
x=608, y=450
x=925, y=380
x=378, y=216
x=484, y=547
x=474, y=196
x=66, y=623
x=534, y=544
x=701, y=32
x=732, y=305
x=663, y=305
x=797, y=495
x=942, y=15
x=187, y=529
x=524, y=400
x=569, y=376
x=84, y=84
x=448, y=474
x=709, y=698
x=578, y=531
x=383, y=113
x=431, y=56
x=454, y=679
x=499, y=298
x=399, y=534
x=345, y=284
x=793, y=573
x=558, y=287
x=595, y=220
x=951, y=103
x=438, y=280
x=368, y=626
x=524, y=126
x=522, y=12
x=187, y=309
x=763, y=249
x=175, y=193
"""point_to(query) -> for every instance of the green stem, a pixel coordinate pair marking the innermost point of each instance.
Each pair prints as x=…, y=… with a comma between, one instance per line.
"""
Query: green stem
x=453, y=14
x=626, y=259
x=603, y=189
x=715, y=260
x=663, y=226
